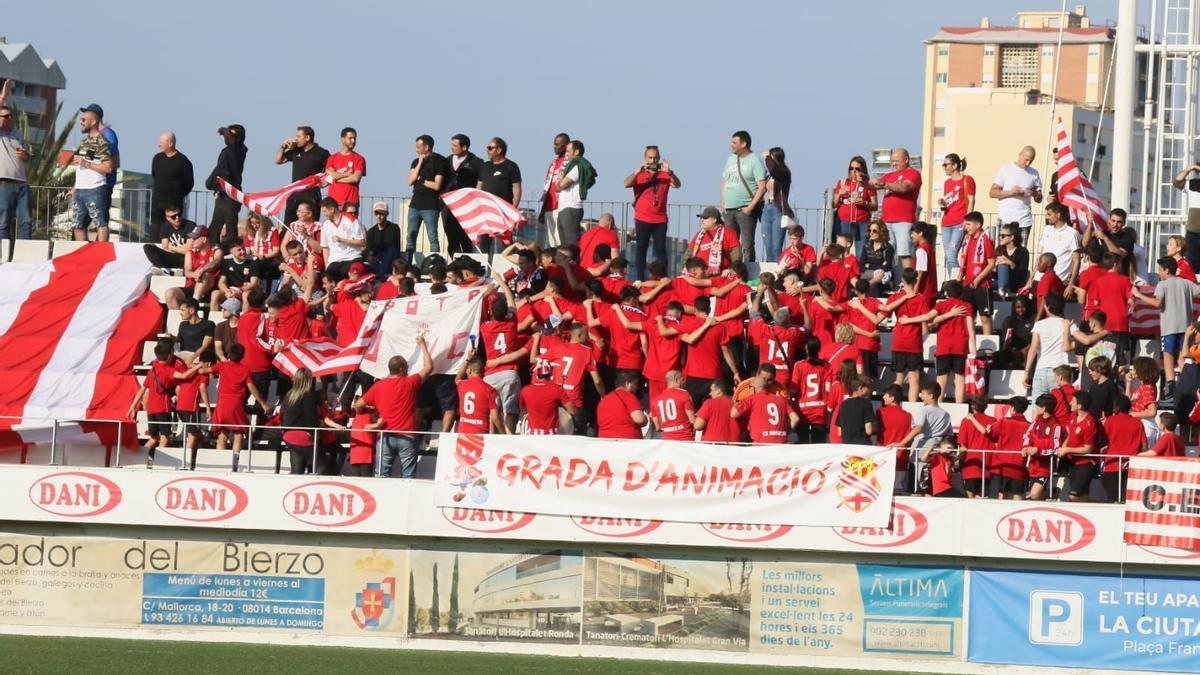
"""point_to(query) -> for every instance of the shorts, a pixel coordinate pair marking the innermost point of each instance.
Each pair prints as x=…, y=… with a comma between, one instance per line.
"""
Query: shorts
x=1044, y=481
x=901, y=238
x=91, y=207
x=1079, y=478
x=160, y=424
x=438, y=391
x=980, y=298
x=951, y=363
x=507, y=384
x=192, y=420
x=998, y=485
x=1172, y=344
x=907, y=362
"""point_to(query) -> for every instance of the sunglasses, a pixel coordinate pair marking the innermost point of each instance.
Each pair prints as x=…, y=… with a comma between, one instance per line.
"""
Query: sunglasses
x=1005, y=234
x=949, y=164
x=874, y=230
x=351, y=213
x=4, y=117
x=491, y=147
x=172, y=216
x=857, y=168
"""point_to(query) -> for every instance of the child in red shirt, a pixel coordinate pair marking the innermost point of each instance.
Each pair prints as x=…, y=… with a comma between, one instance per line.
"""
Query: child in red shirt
x=810, y=386
x=1126, y=438
x=955, y=320
x=1168, y=444
x=156, y=393
x=672, y=412
x=1044, y=437
x=975, y=440
x=362, y=444
x=896, y=431
x=1048, y=283
x=1141, y=386
x=191, y=394
x=233, y=381
x=1081, y=440
x=1063, y=394
x=713, y=420
x=1006, y=468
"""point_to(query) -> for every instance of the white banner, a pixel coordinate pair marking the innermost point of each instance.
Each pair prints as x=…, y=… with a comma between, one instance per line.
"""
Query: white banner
x=668, y=480
x=447, y=321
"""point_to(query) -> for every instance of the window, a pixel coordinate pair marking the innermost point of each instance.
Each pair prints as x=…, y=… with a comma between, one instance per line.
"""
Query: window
x=942, y=78
x=1018, y=67
x=1080, y=132
x=1093, y=50
x=943, y=50
x=988, y=79
x=939, y=132
x=1048, y=51
x=989, y=50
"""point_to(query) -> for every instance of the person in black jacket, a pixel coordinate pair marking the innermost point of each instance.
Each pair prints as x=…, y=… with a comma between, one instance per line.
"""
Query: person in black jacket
x=302, y=407
x=465, y=168
x=229, y=166
x=171, y=172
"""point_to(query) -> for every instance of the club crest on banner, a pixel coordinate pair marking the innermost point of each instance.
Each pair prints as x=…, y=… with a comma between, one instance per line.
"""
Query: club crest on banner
x=857, y=486
x=375, y=604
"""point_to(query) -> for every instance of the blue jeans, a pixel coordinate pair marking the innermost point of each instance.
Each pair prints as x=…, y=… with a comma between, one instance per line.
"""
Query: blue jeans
x=415, y=216
x=91, y=207
x=1007, y=280
x=952, y=238
x=772, y=233
x=392, y=445
x=857, y=232
x=14, y=204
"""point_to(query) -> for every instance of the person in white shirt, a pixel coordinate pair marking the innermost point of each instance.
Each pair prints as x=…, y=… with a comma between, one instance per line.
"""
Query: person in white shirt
x=1046, y=348
x=1015, y=185
x=343, y=238
x=1059, y=238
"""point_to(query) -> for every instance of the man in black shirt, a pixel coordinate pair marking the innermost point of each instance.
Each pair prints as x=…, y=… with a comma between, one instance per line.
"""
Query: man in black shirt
x=239, y=274
x=171, y=173
x=174, y=241
x=229, y=167
x=856, y=416
x=1119, y=240
x=195, y=334
x=428, y=176
x=383, y=242
x=307, y=158
x=465, y=168
x=501, y=177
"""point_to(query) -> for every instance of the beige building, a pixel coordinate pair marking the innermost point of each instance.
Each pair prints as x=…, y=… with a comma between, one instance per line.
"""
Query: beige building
x=987, y=94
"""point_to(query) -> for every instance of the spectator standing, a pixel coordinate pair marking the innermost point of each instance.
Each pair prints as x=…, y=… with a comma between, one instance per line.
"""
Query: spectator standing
x=427, y=175
x=619, y=414
x=713, y=420
x=14, y=185
x=383, y=241
x=1191, y=231
x=1173, y=297
x=110, y=135
x=651, y=182
x=779, y=188
x=770, y=414
x=93, y=161
x=856, y=415
x=303, y=407
x=957, y=200
x=743, y=187
x=853, y=202
x=173, y=180
x=1062, y=240
x=899, y=212
x=225, y=335
x=548, y=212
x=975, y=270
x=307, y=158
x=1119, y=240
x=672, y=411
x=1015, y=185
x=578, y=176
x=395, y=397
x=499, y=176
x=1046, y=349
x=229, y=167
x=465, y=171
x=603, y=232
x=346, y=169
x=1012, y=261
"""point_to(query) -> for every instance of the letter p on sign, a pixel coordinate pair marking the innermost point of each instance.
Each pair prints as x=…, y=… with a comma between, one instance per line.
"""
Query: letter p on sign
x=1056, y=618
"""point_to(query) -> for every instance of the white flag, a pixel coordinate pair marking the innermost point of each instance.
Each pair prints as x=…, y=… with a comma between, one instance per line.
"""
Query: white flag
x=448, y=322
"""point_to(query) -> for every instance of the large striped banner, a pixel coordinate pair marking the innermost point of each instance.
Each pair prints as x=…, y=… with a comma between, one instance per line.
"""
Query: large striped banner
x=483, y=214
x=1162, y=502
x=271, y=202
x=1075, y=191
x=326, y=357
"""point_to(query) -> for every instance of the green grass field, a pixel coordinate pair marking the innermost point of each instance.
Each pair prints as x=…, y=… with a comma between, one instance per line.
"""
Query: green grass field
x=23, y=654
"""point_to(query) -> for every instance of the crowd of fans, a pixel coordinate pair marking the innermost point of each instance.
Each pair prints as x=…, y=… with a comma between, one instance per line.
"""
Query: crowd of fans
x=575, y=338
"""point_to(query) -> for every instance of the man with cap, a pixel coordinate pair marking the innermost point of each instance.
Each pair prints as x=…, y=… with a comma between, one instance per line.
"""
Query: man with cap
x=383, y=241
x=94, y=160
x=230, y=163
x=226, y=333
x=716, y=243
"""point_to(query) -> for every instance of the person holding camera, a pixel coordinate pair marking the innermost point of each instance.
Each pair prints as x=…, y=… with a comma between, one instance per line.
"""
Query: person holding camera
x=651, y=182
x=1190, y=184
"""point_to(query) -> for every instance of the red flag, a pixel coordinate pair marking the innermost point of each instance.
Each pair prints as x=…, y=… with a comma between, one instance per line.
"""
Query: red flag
x=483, y=214
x=1075, y=191
x=325, y=357
x=271, y=202
x=975, y=382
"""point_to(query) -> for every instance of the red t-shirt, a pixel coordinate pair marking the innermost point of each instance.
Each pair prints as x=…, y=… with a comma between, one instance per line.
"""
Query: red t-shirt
x=1081, y=432
x=1126, y=437
x=670, y=410
x=293, y=322
x=260, y=247
x=956, y=192
x=1168, y=445
x=719, y=426
x=499, y=338
x=625, y=345
x=686, y=293
x=257, y=358
x=594, y=237
x=1047, y=284
x=232, y=377
x=542, y=400
x=810, y=382
x=907, y=337
x=1009, y=434
x=187, y=393
x=350, y=316
x=768, y=413
x=952, y=333
x=476, y=401
x=842, y=276
x=613, y=285
x=158, y=400
x=1184, y=270
x=1062, y=403
x=901, y=208
x=894, y=424
x=975, y=254
x=570, y=361
x=777, y=345
x=395, y=398
x=701, y=244
x=346, y=163
x=1091, y=299
x=704, y=357
x=650, y=190
x=613, y=415
x=734, y=299
x=1114, y=291
x=387, y=291
x=1047, y=435
x=834, y=353
x=790, y=258
x=847, y=210
x=1144, y=396
x=975, y=442
x=663, y=352
x=822, y=321
x=928, y=283
x=860, y=320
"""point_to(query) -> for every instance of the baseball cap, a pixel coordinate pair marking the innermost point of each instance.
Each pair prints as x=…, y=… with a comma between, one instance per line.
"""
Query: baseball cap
x=358, y=268
x=232, y=305
x=380, y=206
x=235, y=129
x=198, y=232
x=94, y=108
x=711, y=212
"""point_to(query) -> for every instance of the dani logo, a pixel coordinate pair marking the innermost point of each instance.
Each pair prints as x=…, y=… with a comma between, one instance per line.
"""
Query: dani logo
x=329, y=503
x=908, y=525
x=1045, y=530
x=615, y=527
x=1056, y=618
x=75, y=494
x=201, y=500
x=746, y=532
x=484, y=520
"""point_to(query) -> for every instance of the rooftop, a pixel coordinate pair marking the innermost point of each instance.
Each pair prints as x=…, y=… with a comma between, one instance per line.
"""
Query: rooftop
x=20, y=61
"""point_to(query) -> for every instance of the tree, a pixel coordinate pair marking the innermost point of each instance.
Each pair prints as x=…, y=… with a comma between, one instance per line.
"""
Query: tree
x=453, y=619
x=435, y=612
x=412, y=605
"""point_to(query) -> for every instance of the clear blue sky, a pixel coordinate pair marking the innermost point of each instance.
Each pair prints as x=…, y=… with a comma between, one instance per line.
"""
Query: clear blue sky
x=823, y=80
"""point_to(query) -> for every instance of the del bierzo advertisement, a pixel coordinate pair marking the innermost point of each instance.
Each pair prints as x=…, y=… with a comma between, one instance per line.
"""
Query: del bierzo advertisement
x=812, y=485
x=194, y=585
x=1085, y=620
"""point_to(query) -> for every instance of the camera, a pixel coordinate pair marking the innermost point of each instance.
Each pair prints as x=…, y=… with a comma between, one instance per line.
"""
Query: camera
x=653, y=166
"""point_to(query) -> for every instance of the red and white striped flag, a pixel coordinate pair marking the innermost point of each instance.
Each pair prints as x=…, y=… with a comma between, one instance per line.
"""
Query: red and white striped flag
x=483, y=214
x=974, y=376
x=271, y=202
x=1075, y=191
x=326, y=357
x=1144, y=319
x=71, y=331
x=1162, y=502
